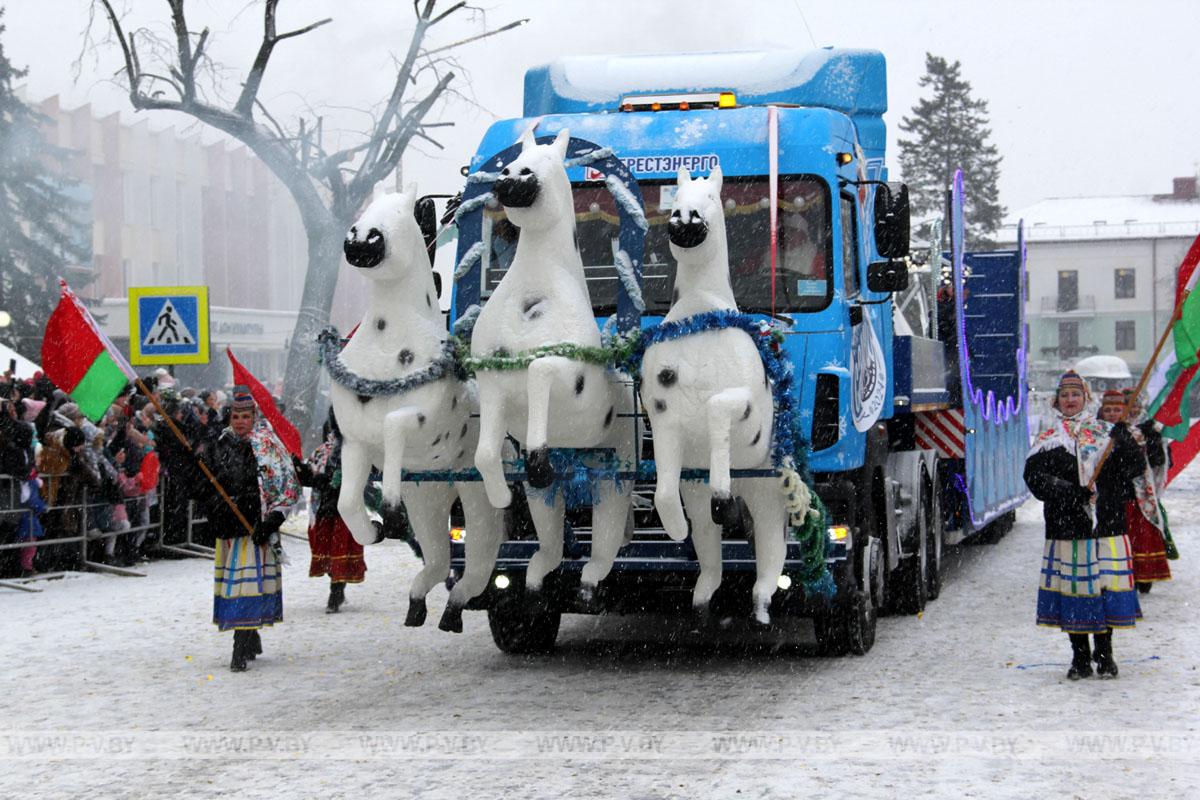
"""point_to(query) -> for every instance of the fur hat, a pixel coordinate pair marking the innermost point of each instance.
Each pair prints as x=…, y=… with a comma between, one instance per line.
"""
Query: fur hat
x=73, y=437
x=242, y=399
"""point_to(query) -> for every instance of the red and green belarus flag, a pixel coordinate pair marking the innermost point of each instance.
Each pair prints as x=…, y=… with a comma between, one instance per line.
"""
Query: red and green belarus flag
x=80, y=360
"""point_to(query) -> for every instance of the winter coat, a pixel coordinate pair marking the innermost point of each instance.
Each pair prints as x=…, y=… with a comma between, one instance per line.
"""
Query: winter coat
x=231, y=459
x=1053, y=475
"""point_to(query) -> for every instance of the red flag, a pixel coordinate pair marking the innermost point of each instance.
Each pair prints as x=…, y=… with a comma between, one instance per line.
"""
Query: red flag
x=1183, y=452
x=286, y=431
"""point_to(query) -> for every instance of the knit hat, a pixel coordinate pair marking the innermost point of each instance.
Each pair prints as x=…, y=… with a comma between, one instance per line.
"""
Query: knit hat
x=1072, y=380
x=1113, y=397
x=242, y=399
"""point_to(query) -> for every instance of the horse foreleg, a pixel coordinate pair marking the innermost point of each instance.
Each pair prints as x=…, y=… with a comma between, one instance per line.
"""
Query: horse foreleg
x=356, y=470
x=398, y=425
x=488, y=453
x=723, y=408
x=428, y=508
x=668, y=461
x=483, y=534
x=543, y=373
x=609, y=517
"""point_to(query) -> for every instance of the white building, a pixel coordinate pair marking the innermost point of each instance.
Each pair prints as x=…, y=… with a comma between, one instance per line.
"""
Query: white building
x=1102, y=274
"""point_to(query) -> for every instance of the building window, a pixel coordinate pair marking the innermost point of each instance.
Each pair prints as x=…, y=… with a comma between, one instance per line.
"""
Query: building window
x=1068, y=290
x=1068, y=339
x=1126, y=334
x=1123, y=285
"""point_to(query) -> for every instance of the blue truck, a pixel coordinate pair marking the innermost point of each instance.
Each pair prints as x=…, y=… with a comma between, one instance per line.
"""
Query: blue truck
x=910, y=366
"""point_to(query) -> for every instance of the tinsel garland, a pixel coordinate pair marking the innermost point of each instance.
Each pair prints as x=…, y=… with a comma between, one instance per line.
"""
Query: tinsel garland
x=600, y=356
x=444, y=365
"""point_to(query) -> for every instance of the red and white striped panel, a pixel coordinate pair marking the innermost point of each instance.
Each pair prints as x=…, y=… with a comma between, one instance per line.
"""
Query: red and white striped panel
x=942, y=431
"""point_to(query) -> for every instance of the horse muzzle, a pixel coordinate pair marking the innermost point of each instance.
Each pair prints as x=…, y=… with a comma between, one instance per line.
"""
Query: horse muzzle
x=517, y=191
x=365, y=253
x=687, y=234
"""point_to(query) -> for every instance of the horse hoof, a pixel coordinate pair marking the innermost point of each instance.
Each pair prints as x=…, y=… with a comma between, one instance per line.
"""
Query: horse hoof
x=378, y=526
x=721, y=508
x=451, y=579
x=416, y=613
x=451, y=621
x=703, y=616
x=538, y=468
x=736, y=521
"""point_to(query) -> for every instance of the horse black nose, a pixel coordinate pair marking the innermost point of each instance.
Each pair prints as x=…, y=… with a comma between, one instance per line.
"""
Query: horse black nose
x=687, y=234
x=364, y=253
x=518, y=191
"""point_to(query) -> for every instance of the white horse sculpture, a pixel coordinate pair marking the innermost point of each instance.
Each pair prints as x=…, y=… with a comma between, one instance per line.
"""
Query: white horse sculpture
x=710, y=406
x=428, y=427
x=556, y=402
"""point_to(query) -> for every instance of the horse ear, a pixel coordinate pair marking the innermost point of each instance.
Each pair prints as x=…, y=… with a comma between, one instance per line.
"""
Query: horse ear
x=410, y=197
x=684, y=177
x=527, y=140
x=561, y=141
x=715, y=178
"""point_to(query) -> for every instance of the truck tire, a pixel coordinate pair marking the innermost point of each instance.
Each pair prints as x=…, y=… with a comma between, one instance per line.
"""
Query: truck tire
x=518, y=631
x=909, y=583
x=848, y=627
x=933, y=545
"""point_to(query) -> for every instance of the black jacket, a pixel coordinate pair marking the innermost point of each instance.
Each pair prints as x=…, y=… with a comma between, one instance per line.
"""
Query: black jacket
x=232, y=461
x=1053, y=477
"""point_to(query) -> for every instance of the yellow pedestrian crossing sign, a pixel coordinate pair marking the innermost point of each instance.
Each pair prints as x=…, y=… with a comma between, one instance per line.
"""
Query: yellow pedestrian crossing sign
x=168, y=325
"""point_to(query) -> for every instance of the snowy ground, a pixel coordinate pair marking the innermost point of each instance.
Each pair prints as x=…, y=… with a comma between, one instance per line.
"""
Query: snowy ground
x=969, y=700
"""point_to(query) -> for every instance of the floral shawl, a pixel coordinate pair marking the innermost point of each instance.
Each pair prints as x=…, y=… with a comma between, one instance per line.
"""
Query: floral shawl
x=278, y=488
x=1082, y=434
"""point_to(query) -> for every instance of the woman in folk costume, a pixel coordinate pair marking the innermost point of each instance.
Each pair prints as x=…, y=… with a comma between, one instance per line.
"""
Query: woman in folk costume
x=256, y=473
x=1086, y=582
x=334, y=551
x=1144, y=519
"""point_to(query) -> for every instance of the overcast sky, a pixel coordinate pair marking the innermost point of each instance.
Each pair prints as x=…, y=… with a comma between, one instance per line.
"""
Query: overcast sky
x=1086, y=98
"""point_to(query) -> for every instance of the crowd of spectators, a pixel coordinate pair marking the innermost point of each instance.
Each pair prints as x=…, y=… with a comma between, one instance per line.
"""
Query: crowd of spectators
x=61, y=475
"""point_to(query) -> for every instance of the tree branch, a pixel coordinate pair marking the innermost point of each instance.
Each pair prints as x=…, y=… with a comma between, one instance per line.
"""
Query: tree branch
x=245, y=102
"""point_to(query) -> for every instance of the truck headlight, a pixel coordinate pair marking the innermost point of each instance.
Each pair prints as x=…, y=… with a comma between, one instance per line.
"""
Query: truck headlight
x=501, y=582
x=784, y=582
x=839, y=533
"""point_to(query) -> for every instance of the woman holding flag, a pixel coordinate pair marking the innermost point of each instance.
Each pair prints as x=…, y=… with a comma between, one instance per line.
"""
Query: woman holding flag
x=1086, y=583
x=257, y=475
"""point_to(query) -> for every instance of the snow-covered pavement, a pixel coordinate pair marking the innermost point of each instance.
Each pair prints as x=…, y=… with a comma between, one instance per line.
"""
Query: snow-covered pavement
x=968, y=700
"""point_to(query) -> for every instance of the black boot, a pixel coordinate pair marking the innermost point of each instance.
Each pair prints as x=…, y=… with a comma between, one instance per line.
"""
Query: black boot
x=337, y=596
x=241, y=648
x=255, y=648
x=1081, y=660
x=1106, y=666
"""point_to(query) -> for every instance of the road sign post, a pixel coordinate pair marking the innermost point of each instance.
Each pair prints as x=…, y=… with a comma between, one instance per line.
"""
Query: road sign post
x=168, y=325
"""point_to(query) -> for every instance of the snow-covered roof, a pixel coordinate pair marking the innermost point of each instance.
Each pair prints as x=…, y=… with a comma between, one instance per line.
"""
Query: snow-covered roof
x=1118, y=217
x=1108, y=367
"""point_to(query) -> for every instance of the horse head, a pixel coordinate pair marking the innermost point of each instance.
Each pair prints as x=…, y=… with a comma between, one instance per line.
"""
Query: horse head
x=697, y=218
x=533, y=187
x=386, y=242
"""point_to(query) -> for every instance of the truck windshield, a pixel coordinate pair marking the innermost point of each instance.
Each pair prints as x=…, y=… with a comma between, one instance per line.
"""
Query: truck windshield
x=803, y=274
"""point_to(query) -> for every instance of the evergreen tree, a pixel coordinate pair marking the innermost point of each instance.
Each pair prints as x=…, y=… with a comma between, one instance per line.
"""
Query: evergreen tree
x=40, y=232
x=949, y=130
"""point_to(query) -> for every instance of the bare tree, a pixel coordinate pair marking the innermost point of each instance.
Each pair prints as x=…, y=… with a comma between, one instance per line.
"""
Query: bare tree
x=329, y=188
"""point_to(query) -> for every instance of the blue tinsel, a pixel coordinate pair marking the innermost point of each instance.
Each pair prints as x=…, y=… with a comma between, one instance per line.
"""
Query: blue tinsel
x=443, y=366
x=588, y=470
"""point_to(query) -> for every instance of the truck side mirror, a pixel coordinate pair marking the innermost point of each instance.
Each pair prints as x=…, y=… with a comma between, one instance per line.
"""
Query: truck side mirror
x=426, y=213
x=892, y=221
x=887, y=276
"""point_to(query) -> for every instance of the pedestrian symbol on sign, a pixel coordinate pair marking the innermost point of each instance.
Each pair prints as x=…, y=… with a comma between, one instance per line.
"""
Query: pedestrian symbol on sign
x=168, y=328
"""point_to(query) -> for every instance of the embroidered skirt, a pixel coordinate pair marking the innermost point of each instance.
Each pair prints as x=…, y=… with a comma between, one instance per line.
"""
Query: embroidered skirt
x=335, y=552
x=1149, y=547
x=247, y=585
x=1087, y=586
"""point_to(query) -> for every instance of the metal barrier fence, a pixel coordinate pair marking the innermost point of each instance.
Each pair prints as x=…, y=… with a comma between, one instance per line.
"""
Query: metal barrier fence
x=83, y=537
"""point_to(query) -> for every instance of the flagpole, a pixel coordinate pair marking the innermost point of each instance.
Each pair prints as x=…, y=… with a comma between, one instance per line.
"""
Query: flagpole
x=203, y=467
x=1162, y=340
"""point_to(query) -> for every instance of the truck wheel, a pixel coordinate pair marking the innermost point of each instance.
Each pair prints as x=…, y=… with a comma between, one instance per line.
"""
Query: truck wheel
x=519, y=631
x=848, y=627
x=909, y=581
x=933, y=549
